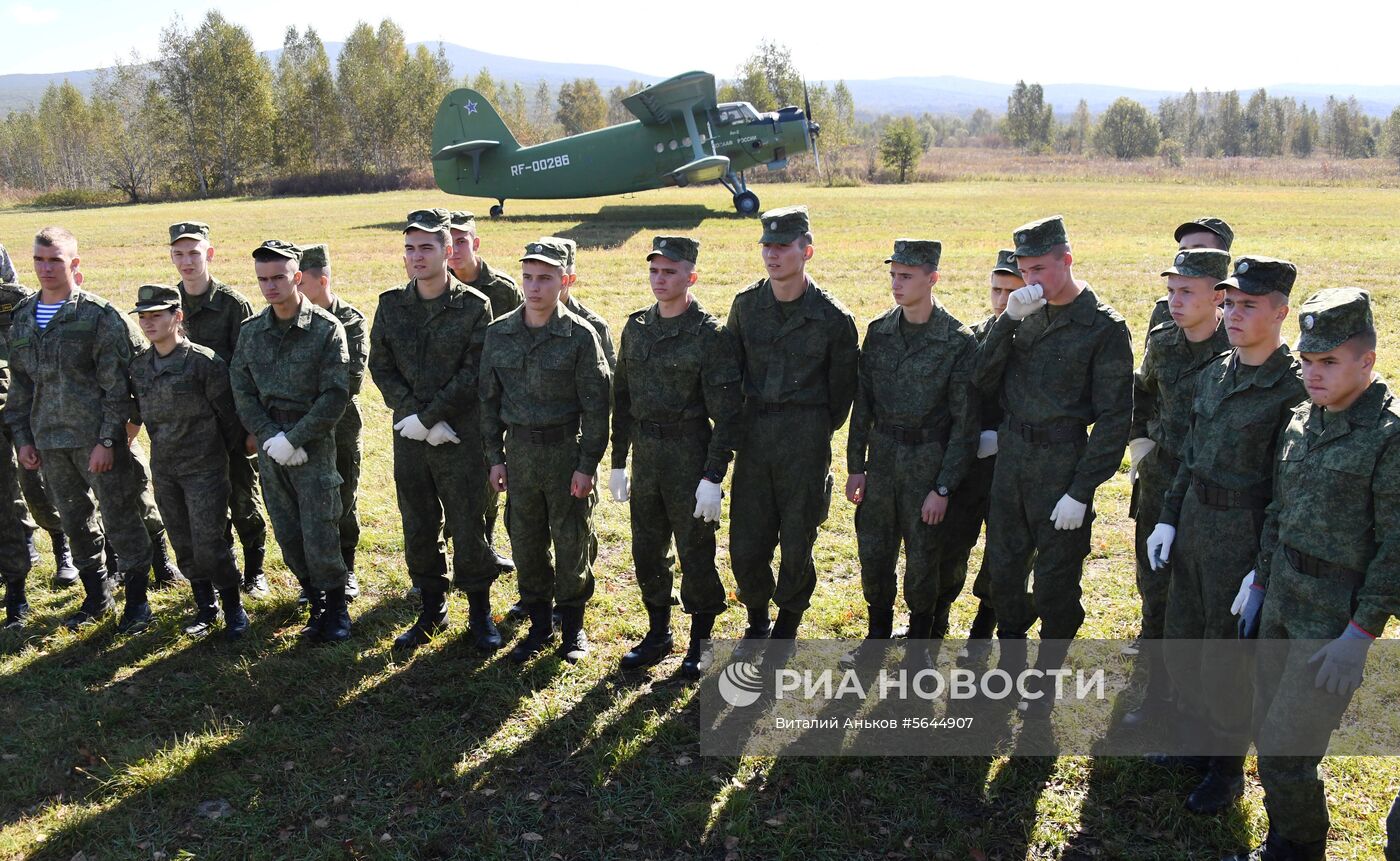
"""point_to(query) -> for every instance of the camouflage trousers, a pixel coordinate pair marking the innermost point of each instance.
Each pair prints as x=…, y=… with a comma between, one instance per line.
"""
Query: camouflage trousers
x=150, y=511
x=967, y=509
x=1213, y=551
x=781, y=495
x=540, y=514
x=14, y=548
x=1297, y=607
x=348, y=453
x=37, y=509
x=245, y=512
x=1154, y=480
x=442, y=486
x=898, y=478
x=303, y=503
x=1392, y=832
x=1028, y=481
x=119, y=499
x=665, y=473
x=196, y=520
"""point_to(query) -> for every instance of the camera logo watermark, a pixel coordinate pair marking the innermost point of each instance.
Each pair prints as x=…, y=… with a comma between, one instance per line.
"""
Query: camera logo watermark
x=740, y=684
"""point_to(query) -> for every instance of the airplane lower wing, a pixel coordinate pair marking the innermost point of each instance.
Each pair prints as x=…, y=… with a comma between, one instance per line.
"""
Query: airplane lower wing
x=707, y=169
x=466, y=148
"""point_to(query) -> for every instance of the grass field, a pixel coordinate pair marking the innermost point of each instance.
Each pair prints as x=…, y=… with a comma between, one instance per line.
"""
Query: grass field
x=157, y=747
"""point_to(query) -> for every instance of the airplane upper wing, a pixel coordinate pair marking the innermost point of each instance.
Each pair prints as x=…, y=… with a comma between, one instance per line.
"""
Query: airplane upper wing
x=656, y=104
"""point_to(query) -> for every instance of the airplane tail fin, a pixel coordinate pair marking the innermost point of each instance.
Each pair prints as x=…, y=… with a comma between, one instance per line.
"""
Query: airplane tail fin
x=466, y=115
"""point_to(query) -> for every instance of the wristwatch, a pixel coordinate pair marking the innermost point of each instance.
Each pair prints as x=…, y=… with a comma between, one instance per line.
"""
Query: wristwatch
x=107, y=442
x=941, y=490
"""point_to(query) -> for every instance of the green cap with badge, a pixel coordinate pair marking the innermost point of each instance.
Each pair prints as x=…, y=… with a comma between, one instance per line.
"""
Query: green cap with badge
x=156, y=297
x=275, y=249
x=1039, y=237
x=428, y=220
x=1259, y=276
x=315, y=257
x=1330, y=317
x=1201, y=263
x=460, y=219
x=547, y=250
x=1006, y=263
x=188, y=230
x=916, y=252
x=678, y=248
x=1208, y=225
x=785, y=224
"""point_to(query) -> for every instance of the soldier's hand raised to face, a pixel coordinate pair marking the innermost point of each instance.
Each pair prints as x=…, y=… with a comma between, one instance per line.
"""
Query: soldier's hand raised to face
x=855, y=488
x=1025, y=301
x=582, y=485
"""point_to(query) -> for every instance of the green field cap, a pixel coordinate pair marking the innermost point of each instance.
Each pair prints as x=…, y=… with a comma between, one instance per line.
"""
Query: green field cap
x=548, y=250
x=1332, y=316
x=676, y=248
x=1006, y=262
x=1259, y=276
x=156, y=297
x=1201, y=263
x=1212, y=225
x=428, y=220
x=460, y=219
x=1038, y=237
x=188, y=230
x=916, y=252
x=273, y=249
x=315, y=257
x=785, y=224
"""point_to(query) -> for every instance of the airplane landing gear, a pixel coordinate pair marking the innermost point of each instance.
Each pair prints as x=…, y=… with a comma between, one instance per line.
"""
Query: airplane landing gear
x=498, y=210
x=745, y=201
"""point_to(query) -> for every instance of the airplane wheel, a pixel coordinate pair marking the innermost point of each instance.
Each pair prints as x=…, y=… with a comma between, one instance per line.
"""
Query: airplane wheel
x=497, y=211
x=746, y=203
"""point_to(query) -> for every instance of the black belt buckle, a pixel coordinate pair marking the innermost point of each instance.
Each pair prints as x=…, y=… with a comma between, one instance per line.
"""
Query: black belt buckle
x=537, y=435
x=768, y=407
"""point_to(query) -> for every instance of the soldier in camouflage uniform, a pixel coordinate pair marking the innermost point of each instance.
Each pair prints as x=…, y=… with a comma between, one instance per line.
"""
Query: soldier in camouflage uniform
x=468, y=267
x=798, y=351
x=1205, y=232
x=291, y=382
x=36, y=509
x=676, y=373
x=67, y=408
x=545, y=395
x=214, y=314
x=1328, y=567
x=7, y=268
x=911, y=440
x=316, y=285
x=15, y=556
x=427, y=338
x=1163, y=389
x=1064, y=361
x=1224, y=482
x=182, y=391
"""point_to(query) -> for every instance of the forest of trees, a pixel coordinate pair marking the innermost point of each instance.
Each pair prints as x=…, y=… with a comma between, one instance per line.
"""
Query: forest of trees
x=211, y=116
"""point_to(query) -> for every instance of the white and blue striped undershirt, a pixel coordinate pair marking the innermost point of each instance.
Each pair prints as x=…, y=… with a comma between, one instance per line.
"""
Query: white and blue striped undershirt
x=43, y=313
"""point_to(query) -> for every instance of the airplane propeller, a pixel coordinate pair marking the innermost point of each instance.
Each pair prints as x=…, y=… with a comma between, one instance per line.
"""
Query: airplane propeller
x=812, y=128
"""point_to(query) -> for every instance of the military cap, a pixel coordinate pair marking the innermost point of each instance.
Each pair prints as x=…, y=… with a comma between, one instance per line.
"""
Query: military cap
x=1259, y=276
x=275, y=248
x=188, y=230
x=548, y=250
x=570, y=246
x=315, y=257
x=675, y=248
x=1210, y=225
x=1330, y=317
x=1038, y=237
x=156, y=297
x=428, y=220
x=1201, y=263
x=1006, y=262
x=916, y=252
x=460, y=219
x=785, y=224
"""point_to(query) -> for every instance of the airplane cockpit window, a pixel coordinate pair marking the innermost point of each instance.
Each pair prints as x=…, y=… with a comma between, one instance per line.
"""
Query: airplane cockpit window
x=736, y=113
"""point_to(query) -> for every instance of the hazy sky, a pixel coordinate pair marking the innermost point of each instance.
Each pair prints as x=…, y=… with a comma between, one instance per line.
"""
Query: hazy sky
x=1226, y=45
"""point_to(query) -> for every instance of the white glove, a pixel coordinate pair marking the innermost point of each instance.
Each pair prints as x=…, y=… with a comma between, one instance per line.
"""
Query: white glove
x=1159, y=545
x=707, y=501
x=279, y=449
x=1068, y=513
x=986, y=444
x=618, y=485
x=442, y=432
x=1243, y=595
x=1137, y=449
x=411, y=428
x=298, y=458
x=1025, y=301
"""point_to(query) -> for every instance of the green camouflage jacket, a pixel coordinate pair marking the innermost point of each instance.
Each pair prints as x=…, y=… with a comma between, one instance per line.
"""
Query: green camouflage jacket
x=187, y=406
x=353, y=320
x=600, y=328
x=499, y=288
x=213, y=318
x=1165, y=384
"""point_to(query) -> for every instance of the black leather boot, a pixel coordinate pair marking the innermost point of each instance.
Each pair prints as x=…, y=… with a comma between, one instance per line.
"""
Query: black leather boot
x=235, y=617
x=504, y=564
x=1157, y=703
x=657, y=643
x=698, y=656
x=167, y=574
x=254, y=579
x=1279, y=848
x=98, y=601
x=206, y=609
x=335, y=621
x=136, y=612
x=984, y=623
x=788, y=622
x=540, y=635
x=881, y=625
x=31, y=547
x=573, y=641
x=352, y=583
x=759, y=630
x=16, y=607
x=316, y=610
x=432, y=618
x=65, y=573
x=480, y=626
x=1223, y=786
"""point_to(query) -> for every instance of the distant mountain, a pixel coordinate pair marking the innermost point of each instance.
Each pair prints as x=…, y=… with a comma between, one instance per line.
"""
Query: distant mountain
x=943, y=94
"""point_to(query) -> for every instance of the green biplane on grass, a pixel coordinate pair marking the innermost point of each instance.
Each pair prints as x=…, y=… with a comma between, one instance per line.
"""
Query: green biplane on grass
x=682, y=136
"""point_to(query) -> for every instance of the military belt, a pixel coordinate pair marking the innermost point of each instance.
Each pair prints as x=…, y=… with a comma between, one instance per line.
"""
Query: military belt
x=1321, y=568
x=1171, y=464
x=1216, y=496
x=939, y=432
x=766, y=407
x=674, y=430
x=1047, y=434
x=285, y=417
x=545, y=435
